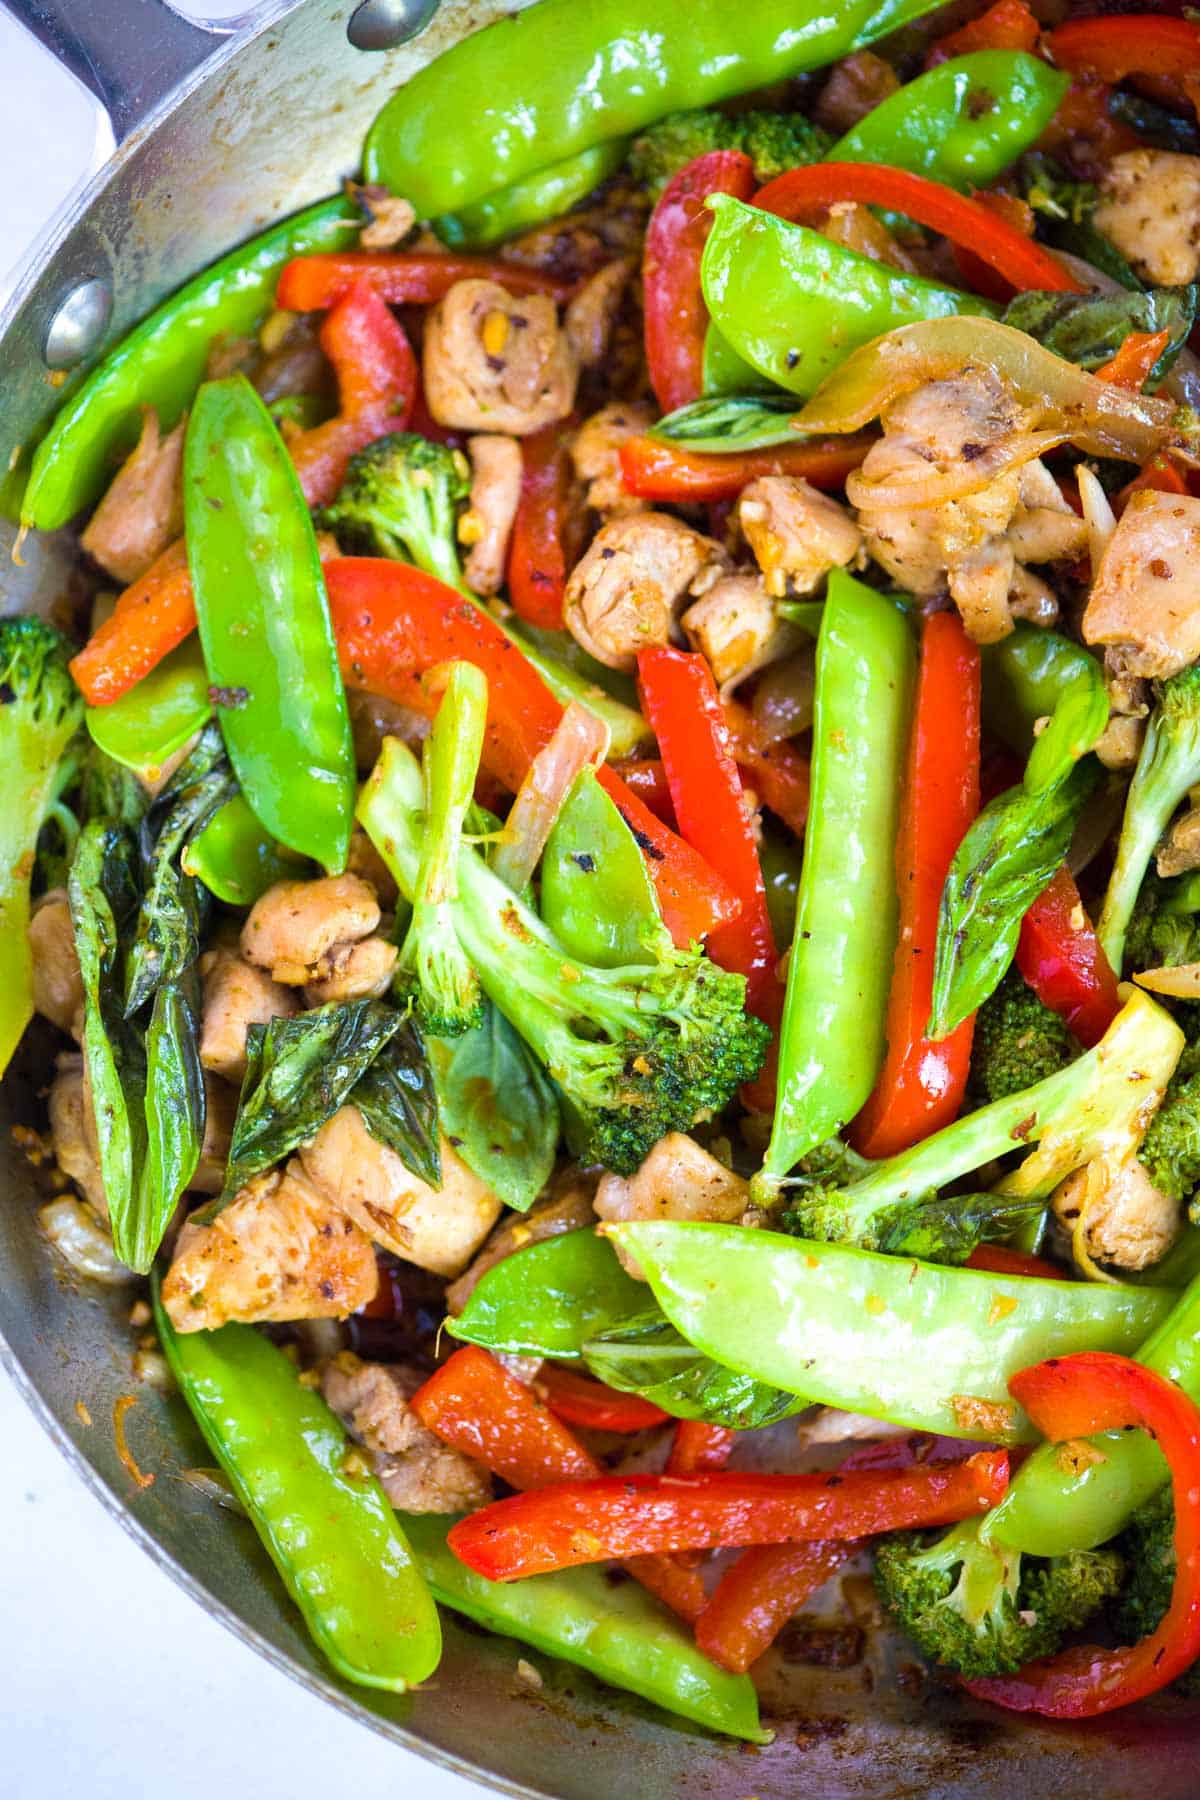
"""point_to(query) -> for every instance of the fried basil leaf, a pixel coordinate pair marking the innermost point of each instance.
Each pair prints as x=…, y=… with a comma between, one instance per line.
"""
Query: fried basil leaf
x=1089, y=329
x=731, y=422
x=499, y=1108
x=648, y=1357
x=399, y=1105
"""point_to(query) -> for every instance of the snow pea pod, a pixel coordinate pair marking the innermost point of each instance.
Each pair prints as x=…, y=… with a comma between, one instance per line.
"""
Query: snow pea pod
x=236, y=859
x=158, y=716
x=334, y=1539
x=550, y=1299
x=962, y=123
x=832, y=1038
x=618, y=1633
x=919, y=1344
x=264, y=624
x=724, y=371
x=794, y=305
x=597, y=898
x=161, y=362
x=543, y=195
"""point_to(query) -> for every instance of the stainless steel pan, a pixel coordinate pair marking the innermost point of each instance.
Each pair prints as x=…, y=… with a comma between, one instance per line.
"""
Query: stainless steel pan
x=217, y=135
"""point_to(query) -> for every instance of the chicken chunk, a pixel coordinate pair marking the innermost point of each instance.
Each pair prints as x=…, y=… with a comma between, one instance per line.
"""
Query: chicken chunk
x=73, y=1131
x=736, y=629
x=220, y=1111
x=297, y=926
x=1127, y=1221
x=418, y=1471
x=279, y=1251
x=373, y=718
x=142, y=512
x=365, y=861
x=1180, y=850
x=624, y=593
x=438, y=1229
x=1150, y=209
x=569, y=1210
x=678, y=1180
x=390, y=217
x=797, y=534
x=236, y=996
x=487, y=524
x=1145, y=598
x=355, y=972
x=592, y=311
x=496, y=363
x=856, y=228
x=856, y=86
x=57, y=983
x=596, y=454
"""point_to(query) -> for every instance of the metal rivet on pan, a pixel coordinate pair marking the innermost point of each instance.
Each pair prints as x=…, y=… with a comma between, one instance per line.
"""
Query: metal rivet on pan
x=383, y=24
x=79, y=322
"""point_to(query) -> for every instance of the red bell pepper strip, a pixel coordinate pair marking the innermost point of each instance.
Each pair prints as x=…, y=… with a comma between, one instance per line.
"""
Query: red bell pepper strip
x=578, y=1400
x=676, y=316
x=800, y=194
x=654, y=469
x=1124, y=44
x=537, y=556
x=756, y=1597
x=921, y=1085
x=401, y=277
x=696, y=1447
x=1060, y=957
x=777, y=771
x=646, y=777
x=1084, y=132
x=393, y=623
x=684, y=710
x=377, y=381
x=1076, y=1397
x=1009, y=25
x=976, y=275
x=474, y=1403
x=1130, y=368
x=1161, y=475
x=634, y=1515
x=998, y=1259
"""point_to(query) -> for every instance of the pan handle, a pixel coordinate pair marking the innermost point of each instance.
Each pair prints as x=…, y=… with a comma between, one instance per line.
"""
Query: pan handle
x=129, y=53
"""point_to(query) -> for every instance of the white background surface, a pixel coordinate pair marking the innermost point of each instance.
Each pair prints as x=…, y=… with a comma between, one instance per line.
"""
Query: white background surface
x=113, y=1684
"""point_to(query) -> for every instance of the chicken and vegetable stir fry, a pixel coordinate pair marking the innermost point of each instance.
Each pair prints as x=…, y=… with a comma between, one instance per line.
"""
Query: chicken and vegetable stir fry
x=613, y=880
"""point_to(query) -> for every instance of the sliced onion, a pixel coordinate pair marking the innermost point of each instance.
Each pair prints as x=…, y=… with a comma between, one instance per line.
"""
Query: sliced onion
x=579, y=739
x=1180, y=983
x=931, y=487
x=1100, y=419
x=81, y=1240
x=1098, y=515
x=783, y=700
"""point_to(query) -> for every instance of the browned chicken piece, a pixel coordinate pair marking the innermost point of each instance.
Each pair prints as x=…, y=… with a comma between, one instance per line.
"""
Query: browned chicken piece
x=486, y=525
x=624, y=593
x=142, y=512
x=596, y=454
x=57, y=983
x=438, y=1229
x=736, y=630
x=73, y=1131
x=1127, y=1221
x=678, y=1180
x=418, y=1472
x=580, y=243
x=1180, y=849
x=220, y=1111
x=569, y=1210
x=372, y=718
x=390, y=216
x=797, y=533
x=493, y=362
x=1145, y=598
x=295, y=928
x=1150, y=209
x=364, y=860
x=278, y=1251
x=855, y=87
x=856, y=228
x=355, y=972
x=236, y=996
x=592, y=311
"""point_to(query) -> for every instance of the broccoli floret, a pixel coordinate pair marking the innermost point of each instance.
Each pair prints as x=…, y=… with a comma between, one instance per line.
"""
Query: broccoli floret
x=1165, y=929
x=637, y=1051
x=449, y=998
x=1017, y=1041
x=1147, y=1546
x=1169, y=764
x=1095, y=1104
x=773, y=141
x=1170, y=1150
x=983, y=1609
x=41, y=709
x=400, y=499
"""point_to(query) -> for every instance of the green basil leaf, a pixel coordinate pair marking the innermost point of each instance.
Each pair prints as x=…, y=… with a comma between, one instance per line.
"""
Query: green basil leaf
x=1005, y=860
x=1156, y=125
x=648, y=1357
x=499, y=1108
x=1089, y=329
x=945, y=1228
x=399, y=1104
x=1076, y=726
x=174, y=1111
x=731, y=422
x=551, y=1298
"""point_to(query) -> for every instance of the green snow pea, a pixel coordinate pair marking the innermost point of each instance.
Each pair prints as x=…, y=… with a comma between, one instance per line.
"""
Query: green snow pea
x=236, y=859
x=831, y=1041
x=1025, y=678
x=335, y=1541
x=546, y=194
x=794, y=305
x=962, y=123
x=618, y=1633
x=576, y=76
x=724, y=370
x=264, y=624
x=157, y=717
x=161, y=362
x=597, y=898
x=918, y=1344
x=550, y=1299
